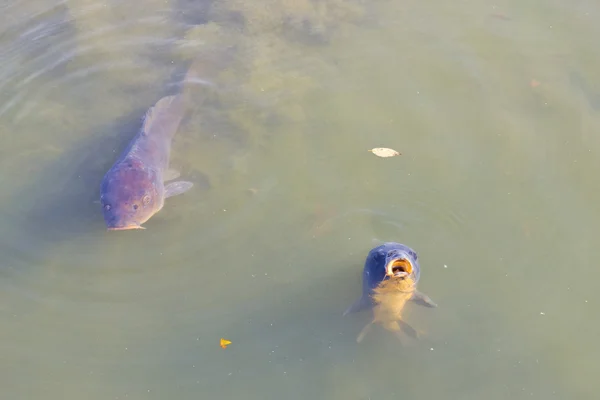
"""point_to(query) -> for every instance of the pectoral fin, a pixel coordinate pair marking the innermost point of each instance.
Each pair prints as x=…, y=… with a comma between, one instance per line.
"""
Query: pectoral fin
x=171, y=174
x=422, y=299
x=175, y=188
x=359, y=305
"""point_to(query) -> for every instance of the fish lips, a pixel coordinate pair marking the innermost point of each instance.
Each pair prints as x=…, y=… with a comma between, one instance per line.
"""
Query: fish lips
x=119, y=222
x=399, y=266
x=125, y=227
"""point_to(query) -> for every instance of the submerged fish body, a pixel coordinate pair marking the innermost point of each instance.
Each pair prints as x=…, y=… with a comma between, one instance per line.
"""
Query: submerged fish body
x=133, y=189
x=390, y=276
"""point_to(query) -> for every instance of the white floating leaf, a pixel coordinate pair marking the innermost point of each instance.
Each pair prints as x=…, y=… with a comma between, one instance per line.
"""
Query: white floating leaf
x=384, y=152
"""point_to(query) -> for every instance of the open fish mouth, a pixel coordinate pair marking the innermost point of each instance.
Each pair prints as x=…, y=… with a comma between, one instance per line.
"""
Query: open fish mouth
x=125, y=228
x=399, y=268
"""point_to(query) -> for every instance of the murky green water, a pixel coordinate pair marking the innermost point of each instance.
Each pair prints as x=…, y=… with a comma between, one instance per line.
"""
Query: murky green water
x=495, y=107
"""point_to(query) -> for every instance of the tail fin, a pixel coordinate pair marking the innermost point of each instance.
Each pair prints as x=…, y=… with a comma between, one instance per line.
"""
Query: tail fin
x=205, y=68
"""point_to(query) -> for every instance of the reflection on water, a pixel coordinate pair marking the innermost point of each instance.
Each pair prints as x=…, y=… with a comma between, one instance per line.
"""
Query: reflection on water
x=493, y=107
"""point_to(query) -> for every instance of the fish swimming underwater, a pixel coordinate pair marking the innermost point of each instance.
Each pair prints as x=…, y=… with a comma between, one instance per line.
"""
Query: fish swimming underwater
x=134, y=189
x=390, y=278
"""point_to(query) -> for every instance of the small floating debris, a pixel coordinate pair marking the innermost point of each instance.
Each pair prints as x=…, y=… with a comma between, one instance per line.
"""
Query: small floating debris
x=384, y=152
x=224, y=343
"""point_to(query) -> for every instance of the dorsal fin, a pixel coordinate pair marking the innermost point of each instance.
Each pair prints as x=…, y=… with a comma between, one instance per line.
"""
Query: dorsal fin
x=164, y=113
x=156, y=110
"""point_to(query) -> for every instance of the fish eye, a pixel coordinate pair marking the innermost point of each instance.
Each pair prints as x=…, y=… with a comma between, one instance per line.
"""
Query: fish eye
x=135, y=206
x=146, y=199
x=107, y=207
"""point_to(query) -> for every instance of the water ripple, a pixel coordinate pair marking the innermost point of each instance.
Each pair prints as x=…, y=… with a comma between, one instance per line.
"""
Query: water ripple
x=51, y=49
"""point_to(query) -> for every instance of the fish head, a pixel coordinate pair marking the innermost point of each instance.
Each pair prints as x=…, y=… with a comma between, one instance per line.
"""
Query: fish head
x=130, y=196
x=401, y=263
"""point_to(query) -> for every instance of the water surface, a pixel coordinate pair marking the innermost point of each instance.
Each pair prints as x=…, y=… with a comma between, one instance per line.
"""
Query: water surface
x=494, y=107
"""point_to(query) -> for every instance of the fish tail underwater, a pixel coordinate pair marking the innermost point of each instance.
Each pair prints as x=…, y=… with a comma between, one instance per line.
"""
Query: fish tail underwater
x=204, y=70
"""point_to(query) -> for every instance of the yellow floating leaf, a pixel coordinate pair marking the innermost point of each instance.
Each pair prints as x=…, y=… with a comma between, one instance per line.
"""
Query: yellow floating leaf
x=225, y=343
x=384, y=152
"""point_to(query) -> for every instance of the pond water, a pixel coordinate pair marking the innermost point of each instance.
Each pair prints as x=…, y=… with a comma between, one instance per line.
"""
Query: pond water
x=495, y=107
